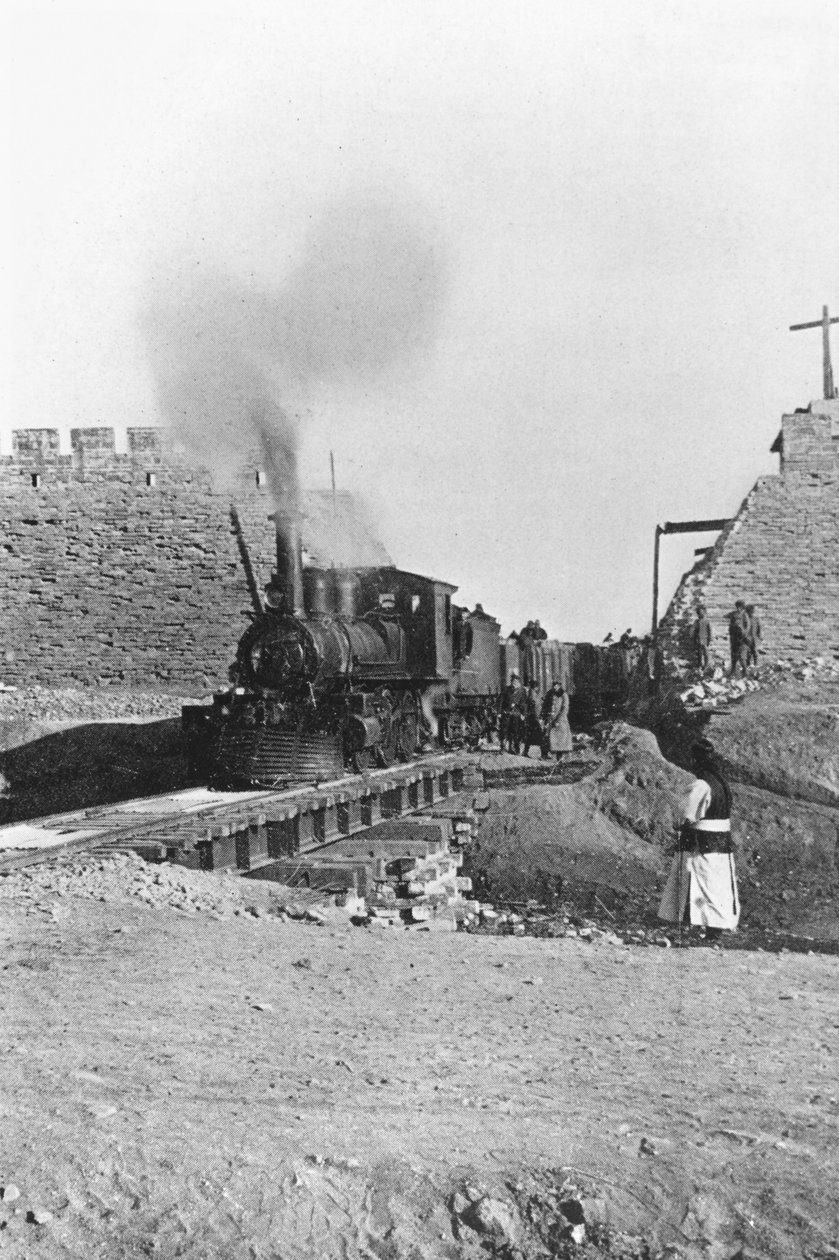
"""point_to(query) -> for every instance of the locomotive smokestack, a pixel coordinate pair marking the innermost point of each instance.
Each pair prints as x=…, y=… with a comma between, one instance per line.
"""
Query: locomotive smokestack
x=289, y=575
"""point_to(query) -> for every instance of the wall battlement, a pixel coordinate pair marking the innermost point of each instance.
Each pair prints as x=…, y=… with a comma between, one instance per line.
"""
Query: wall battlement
x=93, y=453
x=44, y=446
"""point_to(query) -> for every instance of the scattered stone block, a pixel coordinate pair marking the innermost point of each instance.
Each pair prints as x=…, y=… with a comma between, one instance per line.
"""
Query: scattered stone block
x=498, y=1219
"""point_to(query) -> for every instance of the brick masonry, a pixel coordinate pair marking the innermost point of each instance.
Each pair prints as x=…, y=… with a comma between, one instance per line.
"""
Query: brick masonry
x=780, y=552
x=126, y=569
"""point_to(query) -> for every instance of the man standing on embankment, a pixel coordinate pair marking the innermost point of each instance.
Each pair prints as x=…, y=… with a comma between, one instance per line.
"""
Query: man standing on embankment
x=701, y=889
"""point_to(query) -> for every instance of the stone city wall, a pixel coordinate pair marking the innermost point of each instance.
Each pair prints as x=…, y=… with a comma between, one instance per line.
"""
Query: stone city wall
x=780, y=552
x=125, y=569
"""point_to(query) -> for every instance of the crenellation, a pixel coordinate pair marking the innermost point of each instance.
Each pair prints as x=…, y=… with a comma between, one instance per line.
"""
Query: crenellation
x=34, y=446
x=94, y=449
x=146, y=445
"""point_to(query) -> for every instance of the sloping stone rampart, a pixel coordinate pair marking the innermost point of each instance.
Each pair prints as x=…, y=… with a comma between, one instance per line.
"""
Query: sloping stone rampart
x=125, y=569
x=780, y=552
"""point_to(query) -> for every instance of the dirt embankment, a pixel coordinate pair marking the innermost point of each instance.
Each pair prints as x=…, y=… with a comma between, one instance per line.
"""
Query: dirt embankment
x=603, y=843
x=604, y=836
x=781, y=748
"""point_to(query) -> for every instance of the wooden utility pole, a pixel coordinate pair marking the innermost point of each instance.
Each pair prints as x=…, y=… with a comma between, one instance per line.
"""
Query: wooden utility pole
x=824, y=324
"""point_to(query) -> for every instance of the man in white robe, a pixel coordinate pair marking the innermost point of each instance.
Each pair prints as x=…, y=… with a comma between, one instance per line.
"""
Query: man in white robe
x=701, y=888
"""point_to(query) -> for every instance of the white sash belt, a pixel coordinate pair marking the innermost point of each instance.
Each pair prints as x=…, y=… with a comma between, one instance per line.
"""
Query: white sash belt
x=711, y=824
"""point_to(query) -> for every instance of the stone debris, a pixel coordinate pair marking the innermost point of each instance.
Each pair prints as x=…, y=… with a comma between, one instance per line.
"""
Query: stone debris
x=475, y=1212
x=9, y=1193
x=717, y=691
x=539, y=921
x=39, y=1216
x=814, y=667
x=126, y=878
x=123, y=877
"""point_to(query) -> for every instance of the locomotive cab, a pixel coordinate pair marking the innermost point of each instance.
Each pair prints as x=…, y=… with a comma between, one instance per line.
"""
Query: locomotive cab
x=475, y=682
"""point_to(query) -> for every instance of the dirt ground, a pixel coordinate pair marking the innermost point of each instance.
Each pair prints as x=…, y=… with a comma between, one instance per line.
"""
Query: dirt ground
x=180, y=1085
x=185, y=1072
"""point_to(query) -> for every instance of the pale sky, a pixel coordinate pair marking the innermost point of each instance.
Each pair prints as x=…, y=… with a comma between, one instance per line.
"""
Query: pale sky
x=592, y=224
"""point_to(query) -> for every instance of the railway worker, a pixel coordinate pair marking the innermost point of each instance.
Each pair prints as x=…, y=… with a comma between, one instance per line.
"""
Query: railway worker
x=513, y=710
x=531, y=727
x=459, y=634
x=556, y=729
x=755, y=635
x=701, y=637
x=652, y=663
x=738, y=637
x=701, y=889
x=526, y=634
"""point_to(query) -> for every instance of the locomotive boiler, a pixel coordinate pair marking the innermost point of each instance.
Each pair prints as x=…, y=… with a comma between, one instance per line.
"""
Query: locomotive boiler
x=351, y=668
x=344, y=667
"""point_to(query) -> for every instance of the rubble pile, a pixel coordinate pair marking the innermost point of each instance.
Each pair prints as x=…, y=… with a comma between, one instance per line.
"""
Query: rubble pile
x=812, y=667
x=126, y=877
x=718, y=690
x=721, y=690
x=488, y=919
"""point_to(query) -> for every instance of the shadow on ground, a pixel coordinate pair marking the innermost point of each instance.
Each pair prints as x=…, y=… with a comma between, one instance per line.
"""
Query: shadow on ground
x=94, y=764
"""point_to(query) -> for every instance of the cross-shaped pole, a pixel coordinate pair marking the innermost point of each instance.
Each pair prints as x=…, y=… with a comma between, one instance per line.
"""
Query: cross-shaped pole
x=823, y=323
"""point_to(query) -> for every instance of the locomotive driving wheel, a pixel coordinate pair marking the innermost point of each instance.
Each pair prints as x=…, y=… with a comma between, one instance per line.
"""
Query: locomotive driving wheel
x=355, y=758
x=388, y=715
x=361, y=760
x=408, y=731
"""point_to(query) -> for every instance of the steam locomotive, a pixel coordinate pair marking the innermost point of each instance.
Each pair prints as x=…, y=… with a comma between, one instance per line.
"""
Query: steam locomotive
x=359, y=667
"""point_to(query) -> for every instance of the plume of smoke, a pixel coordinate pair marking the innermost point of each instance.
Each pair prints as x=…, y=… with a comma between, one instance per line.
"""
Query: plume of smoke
x=230, y=359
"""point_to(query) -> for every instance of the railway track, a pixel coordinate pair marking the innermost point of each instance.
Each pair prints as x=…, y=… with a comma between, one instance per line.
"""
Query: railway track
x=242, y=832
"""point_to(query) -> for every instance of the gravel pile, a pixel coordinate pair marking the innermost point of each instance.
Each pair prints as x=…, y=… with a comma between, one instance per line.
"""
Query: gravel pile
x=126, y=877
x=72, y=704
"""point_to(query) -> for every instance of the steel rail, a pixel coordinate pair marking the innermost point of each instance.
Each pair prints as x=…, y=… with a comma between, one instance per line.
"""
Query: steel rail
x=102, y=825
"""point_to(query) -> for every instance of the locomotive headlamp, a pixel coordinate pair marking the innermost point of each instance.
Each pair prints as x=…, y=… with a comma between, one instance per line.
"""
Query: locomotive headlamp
x=274, y=595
